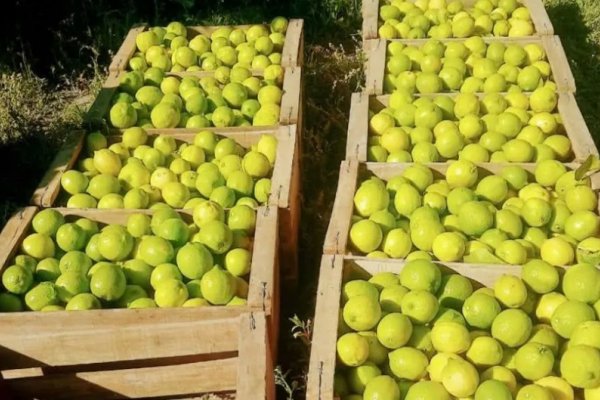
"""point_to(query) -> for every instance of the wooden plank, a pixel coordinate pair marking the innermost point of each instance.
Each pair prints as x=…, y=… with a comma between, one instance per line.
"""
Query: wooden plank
x=135, y=383
x=358, y=124
x=281, y=179
x=539, y=17
x=263, y=282
x=49, y=187
x=323, y=354
x=13, y=233
x=370, y=14
x=99, y=108
x=337, y=232
x=291, y=54
x=291, y=99
x=255, y=378
x=581, y=139
x=120, y=61
x=36, y=346
x=557, y=58
x=289, y=222
x=376, y=50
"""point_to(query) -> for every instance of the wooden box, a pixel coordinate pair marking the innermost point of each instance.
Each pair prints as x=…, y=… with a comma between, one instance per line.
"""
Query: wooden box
x=376, y=52
x=539, y=17
x=285, y=187
x=291, y=55
x=358, y=128
x=124, y=353
x=351, y=174
x=290, y=101
x=336, y=269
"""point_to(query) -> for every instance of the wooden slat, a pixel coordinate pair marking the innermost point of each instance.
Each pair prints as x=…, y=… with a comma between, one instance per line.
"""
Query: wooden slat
x=539, y=17
x=48, y=189
x=376, y=51
x=581, y=139
x=37, y=346
x=99, y=108
x=171, y=380
x=358, y=124
x=121, y=59
x=557, y=58
x=337, y=233
x=291, y=54
x=263, y=276
x=13, y=233
x=283, y=168
x=370, y=14
x=323, y=353
x=255, y=379
x=291, y=99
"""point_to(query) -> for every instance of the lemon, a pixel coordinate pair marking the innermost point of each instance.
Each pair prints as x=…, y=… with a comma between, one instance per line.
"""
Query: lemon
x=352, y=349
x=532, y=391
x=580, y=366
x=427, y=390
x=17, y=279
x=390, y=298
x=449, y=247
x=421, y=275
x=362, y=313
x=534, y=361
x=408, y=363
x=510, y=291
x=485, y=352
x=170, y=293
x=512, y=327
x=500, y=374
x=460, y=378
x=582, y=283
x=558, y=387
x=217, y=286
x=420, y=306
x=358, y=287
x=377, y=352
x=586, y=333
x=493, y=389
x=480, y=310
x=568, y=315
x=450, y=337
x=359, y=377
x=382, y=280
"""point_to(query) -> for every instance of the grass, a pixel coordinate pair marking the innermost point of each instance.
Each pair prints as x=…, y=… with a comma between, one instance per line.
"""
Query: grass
x=83, y=37
x=577, y=22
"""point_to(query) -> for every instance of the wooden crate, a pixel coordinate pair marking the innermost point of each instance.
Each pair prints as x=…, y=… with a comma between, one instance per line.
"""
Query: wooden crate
x=376, y=51
x=124, y=353
x=134, y=356
x=335, y=270
x=285, y=181
x=351, y=174
x=290, y=101
x=539, y=17
x=576, y=129
x=292, y=54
